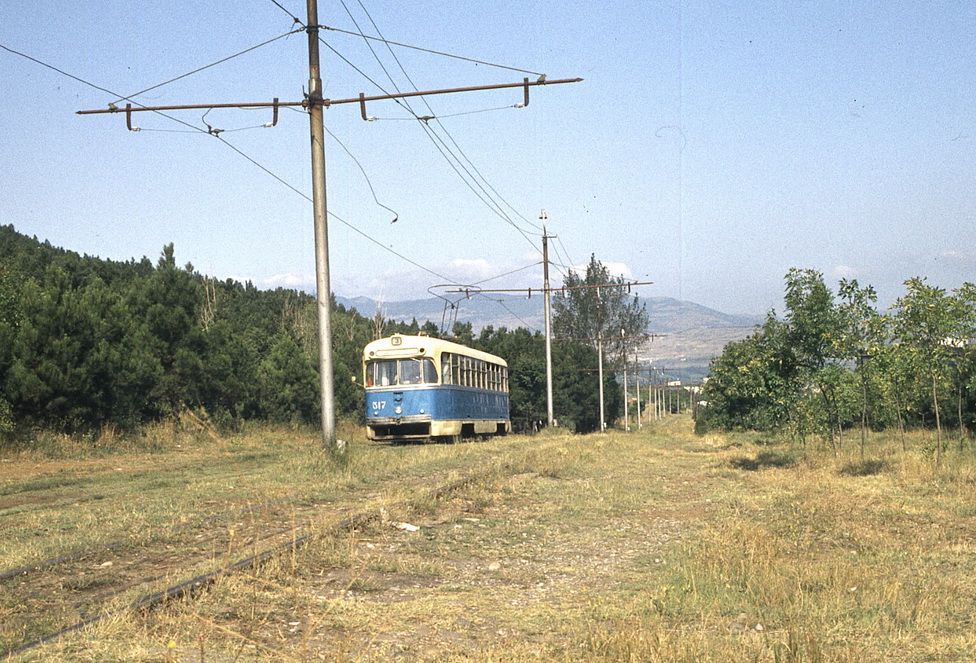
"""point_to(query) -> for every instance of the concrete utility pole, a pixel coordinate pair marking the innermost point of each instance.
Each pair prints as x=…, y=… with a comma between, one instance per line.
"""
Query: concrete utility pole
x=637, y=379
x=626, y=418
x=599, y=351
x=599, y=346
x=321, y=223
x=548, y=313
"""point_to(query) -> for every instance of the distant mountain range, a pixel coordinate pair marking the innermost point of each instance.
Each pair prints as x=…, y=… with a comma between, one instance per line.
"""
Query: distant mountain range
x=691, y=334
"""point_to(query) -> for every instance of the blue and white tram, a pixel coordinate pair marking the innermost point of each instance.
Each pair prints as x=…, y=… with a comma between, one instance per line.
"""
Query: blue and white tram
x=418, y=388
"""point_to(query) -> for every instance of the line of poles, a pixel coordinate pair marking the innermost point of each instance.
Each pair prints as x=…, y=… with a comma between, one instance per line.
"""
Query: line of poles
x=664, y=396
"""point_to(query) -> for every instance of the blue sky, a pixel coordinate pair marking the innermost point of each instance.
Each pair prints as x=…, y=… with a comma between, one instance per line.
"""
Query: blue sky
x=711, y=147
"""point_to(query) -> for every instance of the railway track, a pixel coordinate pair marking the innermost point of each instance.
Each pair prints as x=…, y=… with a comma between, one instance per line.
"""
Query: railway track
x=69, y=557
x=36, y=608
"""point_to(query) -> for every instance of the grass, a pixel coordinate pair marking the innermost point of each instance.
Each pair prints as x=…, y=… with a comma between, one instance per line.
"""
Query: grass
x=649, y=546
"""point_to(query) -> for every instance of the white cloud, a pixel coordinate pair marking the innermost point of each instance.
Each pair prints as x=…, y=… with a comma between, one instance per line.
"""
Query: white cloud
x=615, y=268
x=290, y=280
x=473, y=270
x=843, y=272
x=958, y=256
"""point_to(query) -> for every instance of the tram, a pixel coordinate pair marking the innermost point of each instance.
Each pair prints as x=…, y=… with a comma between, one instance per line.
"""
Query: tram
x=422, y=388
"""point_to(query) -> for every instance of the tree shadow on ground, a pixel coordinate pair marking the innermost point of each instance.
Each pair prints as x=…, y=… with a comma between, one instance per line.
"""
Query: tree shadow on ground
x=863, y=468
x=764, y=460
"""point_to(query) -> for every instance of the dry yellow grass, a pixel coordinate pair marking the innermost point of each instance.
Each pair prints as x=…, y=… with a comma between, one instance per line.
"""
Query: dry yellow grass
x=649, y=546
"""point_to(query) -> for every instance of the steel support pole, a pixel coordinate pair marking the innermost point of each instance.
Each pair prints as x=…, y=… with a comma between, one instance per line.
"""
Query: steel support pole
x=320, y=220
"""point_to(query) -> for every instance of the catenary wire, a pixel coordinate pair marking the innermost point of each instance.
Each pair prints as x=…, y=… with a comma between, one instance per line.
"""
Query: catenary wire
x=337, y=217
x=442, y=117
x=435, y=138
x=435, y=117
x=458, y=147
x=426, y=50
x=561, y=250
x=290, y=15
x=448, y=134
x=514, y=271
x=510, y=311
x=396, y=216
x=205, y=67
x=433, y=135
x=564, y=251
x=438, y=142
x=245, y=156
x=97, y=87
x=254, y=162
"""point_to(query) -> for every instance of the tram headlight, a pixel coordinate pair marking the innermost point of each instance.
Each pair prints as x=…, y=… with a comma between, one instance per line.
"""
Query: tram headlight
x=397, y=410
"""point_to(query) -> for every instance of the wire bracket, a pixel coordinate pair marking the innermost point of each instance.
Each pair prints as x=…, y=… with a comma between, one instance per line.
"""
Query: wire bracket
x=362, y=108
x=128, y=118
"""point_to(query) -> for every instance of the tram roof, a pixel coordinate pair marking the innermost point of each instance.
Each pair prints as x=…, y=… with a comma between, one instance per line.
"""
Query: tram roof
x=413, y=346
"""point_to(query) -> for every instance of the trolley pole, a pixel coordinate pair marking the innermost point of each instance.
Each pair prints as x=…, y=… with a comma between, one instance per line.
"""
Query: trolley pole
x=320, y=220
x=548, y=313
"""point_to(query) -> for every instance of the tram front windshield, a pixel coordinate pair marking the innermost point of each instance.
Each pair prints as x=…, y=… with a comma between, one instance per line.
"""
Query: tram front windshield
x=389, y=372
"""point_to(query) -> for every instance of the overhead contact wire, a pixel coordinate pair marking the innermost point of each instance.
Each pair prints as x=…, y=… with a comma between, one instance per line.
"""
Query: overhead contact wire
x=205, y=67
x=514, y=271
x=290, y=15
x=499, y=211
x=437, y=119
x=242, y=154
x=424, y=50
x=494, y=206
x=396, y=216
x=96, y=87
x=337, y=217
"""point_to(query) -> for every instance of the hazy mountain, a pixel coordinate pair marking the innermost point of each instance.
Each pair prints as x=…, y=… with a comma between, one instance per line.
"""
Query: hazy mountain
x=667, y=315
x=480, y=311
x=689, y=334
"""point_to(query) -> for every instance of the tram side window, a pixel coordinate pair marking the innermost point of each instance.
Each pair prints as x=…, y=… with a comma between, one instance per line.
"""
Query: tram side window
x=430, y=371
x=446, y=368
x=504, y=378
x=381, y=373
